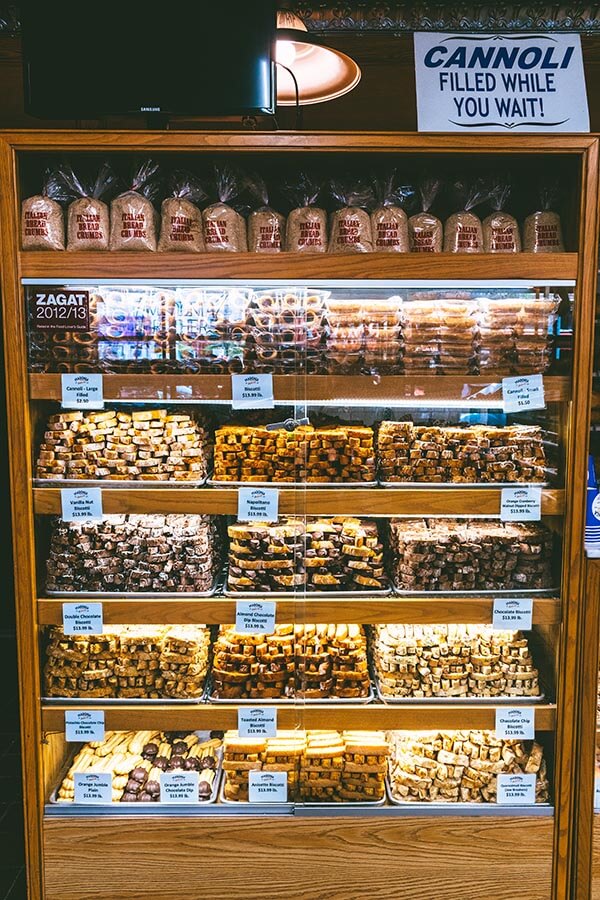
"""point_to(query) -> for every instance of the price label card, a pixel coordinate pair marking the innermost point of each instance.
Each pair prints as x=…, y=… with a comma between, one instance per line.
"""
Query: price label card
x=523, y=392
x=267, y=787
x=515, y=790
x=597, y=793
x=83, y=618
x=82, y=391
x=255, y=616
x=93, y=787
x=515, y=723
x=257, y=722
x=512, y=613
x=252, y=392
x=521, y=504
x=81, y=504
x=84, y=725
x=258, y=504
x=179, y=787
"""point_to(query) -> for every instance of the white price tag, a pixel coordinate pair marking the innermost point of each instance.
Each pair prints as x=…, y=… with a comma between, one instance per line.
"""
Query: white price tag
x=81, y=504
x=255, y=616
x=83, y=618
x=82, y=391
x=597, y=794
x=522, y=504
x=267, y=787
x=93, y=787
x=252, y=392
x=84, y=725
x=257, y=722
x=258, y=504
x=512, y=613
x=523, y=392
x=515, y=790
x=179, y=787
x=515, y=723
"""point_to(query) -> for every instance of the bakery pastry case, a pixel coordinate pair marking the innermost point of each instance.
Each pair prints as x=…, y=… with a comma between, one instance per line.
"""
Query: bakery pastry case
x=385, y=443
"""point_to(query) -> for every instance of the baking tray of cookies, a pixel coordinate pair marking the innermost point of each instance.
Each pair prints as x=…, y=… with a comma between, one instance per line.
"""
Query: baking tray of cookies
x=294, y=804
x=302, y=594
x=290, y=701
x=461, y=485
x=513, y=699
x=431, y=807
x=94, y=702
x=517, y=593
x=113, y=483
x=140, y=595
x=289, y=485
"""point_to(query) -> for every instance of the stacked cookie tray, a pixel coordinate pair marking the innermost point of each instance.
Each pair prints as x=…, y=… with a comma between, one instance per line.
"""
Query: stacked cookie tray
x=284, y=332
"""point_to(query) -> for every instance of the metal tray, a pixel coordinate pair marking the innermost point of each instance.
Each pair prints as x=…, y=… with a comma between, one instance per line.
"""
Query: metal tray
x=301, y=594
x=420, y=808
x=69, y=807
x=139, y=595
x=457, y=701
x=294, y=804
x=285, y=485
x=470, y=486
x=94, y=702
x=292, y=701
x=113, y=483
x=506, y=592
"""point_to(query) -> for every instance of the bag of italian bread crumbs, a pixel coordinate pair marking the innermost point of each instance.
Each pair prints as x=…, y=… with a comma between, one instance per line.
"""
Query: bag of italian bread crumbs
x=133, y=218
x=181, y=228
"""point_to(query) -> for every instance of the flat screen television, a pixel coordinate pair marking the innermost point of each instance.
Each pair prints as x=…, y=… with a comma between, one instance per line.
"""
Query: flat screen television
x=187, y=57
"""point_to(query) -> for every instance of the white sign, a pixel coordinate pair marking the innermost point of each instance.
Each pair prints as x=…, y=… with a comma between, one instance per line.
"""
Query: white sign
x=257, y=722
x=267, y=787
x=81, y=504
x=500, y=82
x=80, y=391
x=523, y=392
x=82, y=618
x=93, y=787
x=255, y=616
x=252, y=392
x=259, y=504
x=179, y=787
x=512, y=613
x=515, y=790
x=521, y=504
x=515, y=723
x=84, y=725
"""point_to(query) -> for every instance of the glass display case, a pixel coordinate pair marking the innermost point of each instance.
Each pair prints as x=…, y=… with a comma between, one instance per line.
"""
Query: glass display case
x=299, y=543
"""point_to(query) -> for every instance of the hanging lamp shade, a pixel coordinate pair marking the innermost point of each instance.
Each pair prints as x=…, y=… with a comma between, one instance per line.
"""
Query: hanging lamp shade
x=321, y=72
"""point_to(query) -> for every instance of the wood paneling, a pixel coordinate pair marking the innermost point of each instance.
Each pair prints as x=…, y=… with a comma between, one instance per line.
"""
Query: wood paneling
x=267, y=858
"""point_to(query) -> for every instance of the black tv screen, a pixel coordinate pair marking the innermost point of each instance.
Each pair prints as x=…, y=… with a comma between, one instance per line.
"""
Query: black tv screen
x=187, y=57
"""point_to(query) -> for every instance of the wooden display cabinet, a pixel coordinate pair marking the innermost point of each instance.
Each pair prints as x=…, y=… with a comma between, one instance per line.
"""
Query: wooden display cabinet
x=395, y=853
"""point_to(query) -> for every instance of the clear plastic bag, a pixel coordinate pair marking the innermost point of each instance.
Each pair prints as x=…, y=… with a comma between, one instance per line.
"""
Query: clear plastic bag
x=133, y=218
x=463, y=231
x=542, y=230
x=224, y=227
x=42, y=220
x=88, y=223
x=351, y=223
x=500, y=229
x=306, y=227
x=266, y=227
x=425, y=231
x=181, y=219
x=389, y=222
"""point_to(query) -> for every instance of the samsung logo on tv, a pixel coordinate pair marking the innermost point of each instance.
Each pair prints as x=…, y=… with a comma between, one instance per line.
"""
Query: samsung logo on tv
x=149, y=108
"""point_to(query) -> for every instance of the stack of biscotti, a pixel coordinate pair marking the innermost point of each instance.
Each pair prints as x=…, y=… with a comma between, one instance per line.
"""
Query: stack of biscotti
x=175, y=553
x=466, y=555
x=474, y=454
x=383, y=343
x=279, y=754
x=459, y=766
x=439, y=335
x=136, y=759
x=337, y=454
x=365, y=765
x=143, y=445
x=80, y=665
x=452, y=661
x=253, y=666
x=285, y=331
x=516, y=334
x=331, y=661
x=320, y=554
x=321, y=767
x=141, y=661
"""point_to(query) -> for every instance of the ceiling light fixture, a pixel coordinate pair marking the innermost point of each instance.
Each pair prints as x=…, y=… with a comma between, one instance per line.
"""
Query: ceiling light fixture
x=321, y=73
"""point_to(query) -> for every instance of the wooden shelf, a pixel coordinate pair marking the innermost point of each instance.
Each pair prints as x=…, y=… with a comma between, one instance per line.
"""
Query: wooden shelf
x=358, y=716
x=415, y=390
x=303, y=501
x=540, y=268
x=221, y=610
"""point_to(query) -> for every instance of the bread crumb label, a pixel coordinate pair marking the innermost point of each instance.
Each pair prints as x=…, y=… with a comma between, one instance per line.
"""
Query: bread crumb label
x=515, y=790
x=267, y=787
x=512, y=614
x=521, y=504
x=92, y=787
x=515, y=724
x=258, y=504
x=255, y=616
x=179, y=787
x=252, y=392
x=82, y=391
x=257, y=722
x=523, y=392
x=84, y=725
x=83, y=618
x=81, y=504
x=52, y=310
